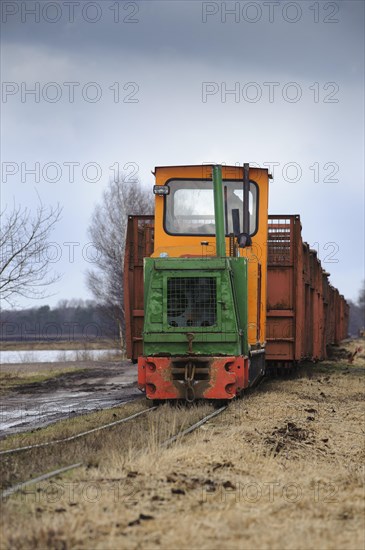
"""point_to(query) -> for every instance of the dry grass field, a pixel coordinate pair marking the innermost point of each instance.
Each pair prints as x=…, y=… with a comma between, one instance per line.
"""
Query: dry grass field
x=282, y=468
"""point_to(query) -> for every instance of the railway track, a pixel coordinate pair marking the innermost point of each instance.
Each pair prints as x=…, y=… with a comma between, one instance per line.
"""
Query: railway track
x=76, y=436
x=166, y=443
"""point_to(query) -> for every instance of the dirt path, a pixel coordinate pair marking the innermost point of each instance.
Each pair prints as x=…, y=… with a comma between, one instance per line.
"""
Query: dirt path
x=35, y=405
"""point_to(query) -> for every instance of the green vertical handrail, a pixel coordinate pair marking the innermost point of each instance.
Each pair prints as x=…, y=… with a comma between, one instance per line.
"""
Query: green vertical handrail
x=219, y=212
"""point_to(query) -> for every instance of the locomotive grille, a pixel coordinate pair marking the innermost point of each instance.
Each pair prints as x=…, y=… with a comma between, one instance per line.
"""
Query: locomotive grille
x=192, y=301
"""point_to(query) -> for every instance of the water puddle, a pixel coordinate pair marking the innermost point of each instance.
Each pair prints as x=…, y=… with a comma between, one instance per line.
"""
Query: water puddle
x=51, y=356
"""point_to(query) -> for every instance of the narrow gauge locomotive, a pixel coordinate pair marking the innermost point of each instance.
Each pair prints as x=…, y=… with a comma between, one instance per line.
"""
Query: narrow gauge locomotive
x=216, y=291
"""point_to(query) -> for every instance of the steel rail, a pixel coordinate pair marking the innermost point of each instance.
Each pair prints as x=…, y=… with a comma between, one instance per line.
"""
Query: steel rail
x=192, y=428
x=43, y=477
x=76, y=436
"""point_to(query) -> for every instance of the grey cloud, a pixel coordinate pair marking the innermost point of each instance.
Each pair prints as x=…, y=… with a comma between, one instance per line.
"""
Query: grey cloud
x=176, y=28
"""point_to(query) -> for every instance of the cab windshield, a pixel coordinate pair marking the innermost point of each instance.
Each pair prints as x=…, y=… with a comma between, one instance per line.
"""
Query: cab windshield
x=189, y=207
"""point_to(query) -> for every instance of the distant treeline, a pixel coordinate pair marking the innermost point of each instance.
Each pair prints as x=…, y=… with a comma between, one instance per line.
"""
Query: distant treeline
x=74, y=320
x=70, y=320
x=357, y=319
x=357, y=313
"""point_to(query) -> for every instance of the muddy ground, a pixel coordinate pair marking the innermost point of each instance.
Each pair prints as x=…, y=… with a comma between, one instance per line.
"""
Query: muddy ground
x=89, y=386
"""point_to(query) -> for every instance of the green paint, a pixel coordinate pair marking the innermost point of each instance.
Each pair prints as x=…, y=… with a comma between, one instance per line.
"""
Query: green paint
x=219, y=212
x=239, y=284
x=192, y=263
x=228, y=336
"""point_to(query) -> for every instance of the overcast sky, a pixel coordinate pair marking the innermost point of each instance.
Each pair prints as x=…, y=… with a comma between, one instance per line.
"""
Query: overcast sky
x=135, y=85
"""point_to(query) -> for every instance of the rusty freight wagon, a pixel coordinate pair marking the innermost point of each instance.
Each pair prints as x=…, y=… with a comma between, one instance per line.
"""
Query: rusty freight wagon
x=305, y=313
x=216, y=291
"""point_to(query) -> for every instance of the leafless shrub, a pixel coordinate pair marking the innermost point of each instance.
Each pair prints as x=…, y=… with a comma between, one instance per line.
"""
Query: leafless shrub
x=25, y=268
x=107, y=231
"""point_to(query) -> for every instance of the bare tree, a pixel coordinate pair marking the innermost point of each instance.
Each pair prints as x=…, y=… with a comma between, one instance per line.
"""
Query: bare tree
x=107, y=231
x=361, y=300
x=357, y=313
x=24, y=262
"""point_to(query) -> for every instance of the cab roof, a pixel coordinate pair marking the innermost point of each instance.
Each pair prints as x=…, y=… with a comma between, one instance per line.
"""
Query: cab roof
x=229, y=166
